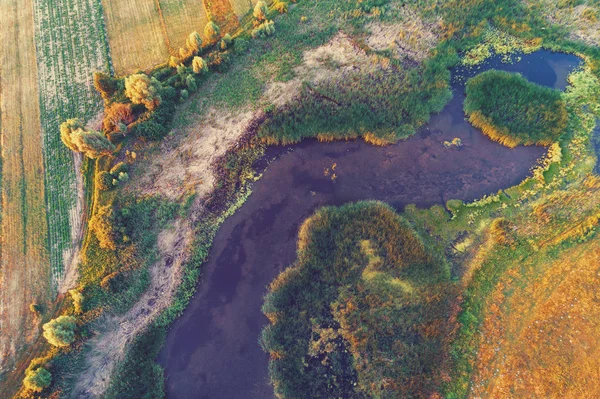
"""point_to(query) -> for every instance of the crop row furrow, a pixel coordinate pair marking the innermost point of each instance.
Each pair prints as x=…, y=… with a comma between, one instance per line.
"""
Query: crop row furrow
x=71, y=46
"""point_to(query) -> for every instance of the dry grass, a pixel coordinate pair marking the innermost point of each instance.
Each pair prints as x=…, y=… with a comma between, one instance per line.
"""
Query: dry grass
x=184, y=163
x=107, y=350
x=143, y=33
x=24, y=268
x=541, y=335
x=333, y=60
x=564, y=214
x=135, y=33
x=411, y=37
x=583, y=20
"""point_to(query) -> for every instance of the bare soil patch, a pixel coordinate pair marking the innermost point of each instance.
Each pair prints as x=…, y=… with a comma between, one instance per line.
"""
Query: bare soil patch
x=107, y=348
x=24, y=260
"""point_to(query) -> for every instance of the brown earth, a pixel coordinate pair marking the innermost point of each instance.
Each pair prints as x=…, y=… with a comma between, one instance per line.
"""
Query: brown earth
x=541, y=333
x=24, y=269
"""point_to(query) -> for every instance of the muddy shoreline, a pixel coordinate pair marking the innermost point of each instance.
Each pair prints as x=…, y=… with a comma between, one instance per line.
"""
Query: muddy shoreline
x=212, y=350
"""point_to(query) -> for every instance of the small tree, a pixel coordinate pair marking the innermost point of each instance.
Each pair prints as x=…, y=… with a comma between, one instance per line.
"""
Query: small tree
x=141, y=90
x=174, y=61
x=199, y=66
x=280, y=6
x=240, y=45
x=194, y=42
x=77, y=297
x=267, y=28
x=260, y=11
x=190, y=83
x=104, y=181
x=66, y=129
x=122, y=128
x=117, y=113
x=182, y=71
x=35, y=308
x=105, y=85
x=60, y=331
x=91, y=143
x=37, y=379
x=184, y=95
x=212, y=32
x=226, y=41
x=123, y=177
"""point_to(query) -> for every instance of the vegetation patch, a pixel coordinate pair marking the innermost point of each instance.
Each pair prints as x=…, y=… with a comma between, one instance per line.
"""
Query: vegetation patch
x=513, y=111
x=362, y=312
x=580, y=17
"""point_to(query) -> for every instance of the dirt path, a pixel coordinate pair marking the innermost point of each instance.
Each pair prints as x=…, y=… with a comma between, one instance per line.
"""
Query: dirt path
x=106, y=349
x=77, y=219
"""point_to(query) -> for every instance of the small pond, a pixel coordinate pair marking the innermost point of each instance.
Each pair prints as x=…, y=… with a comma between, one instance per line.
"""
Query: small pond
x=212, y=350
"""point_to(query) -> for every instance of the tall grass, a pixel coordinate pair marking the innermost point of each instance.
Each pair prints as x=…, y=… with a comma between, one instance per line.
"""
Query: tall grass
x=511, y=110
x=360, y=312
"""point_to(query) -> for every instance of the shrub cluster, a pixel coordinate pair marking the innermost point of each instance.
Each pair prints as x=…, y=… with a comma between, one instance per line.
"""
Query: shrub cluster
x=78, y=138
x=37, y=377
x=60, y=331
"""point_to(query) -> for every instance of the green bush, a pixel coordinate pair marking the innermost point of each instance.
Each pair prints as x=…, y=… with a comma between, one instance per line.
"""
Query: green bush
x=265, y=29
x=104, y=181
x=184, y=95
x=118, y=168
x=123, y=177
x=212, y=32
x=60, y=331
x=190, y=83
x=240, y=46
x=150, y=130
x=37, y=380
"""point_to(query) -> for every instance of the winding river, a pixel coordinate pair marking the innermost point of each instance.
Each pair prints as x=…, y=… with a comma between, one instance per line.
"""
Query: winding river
x=212, y=350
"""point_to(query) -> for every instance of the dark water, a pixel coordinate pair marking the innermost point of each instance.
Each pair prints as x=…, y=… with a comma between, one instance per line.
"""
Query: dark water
x=596, y=144
x=212, y=351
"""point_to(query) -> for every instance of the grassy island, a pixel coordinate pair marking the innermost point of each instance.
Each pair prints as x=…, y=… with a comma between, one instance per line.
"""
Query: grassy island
x=513, y=111
x=360, y=314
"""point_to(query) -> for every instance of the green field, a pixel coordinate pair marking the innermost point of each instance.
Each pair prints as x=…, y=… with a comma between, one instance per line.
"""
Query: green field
x=71, y=46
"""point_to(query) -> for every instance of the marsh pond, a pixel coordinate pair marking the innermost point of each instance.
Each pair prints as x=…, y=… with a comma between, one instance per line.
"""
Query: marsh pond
x=212, y=350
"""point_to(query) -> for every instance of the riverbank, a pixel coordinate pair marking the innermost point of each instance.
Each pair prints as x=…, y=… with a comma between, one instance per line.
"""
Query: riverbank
x=224, y=320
